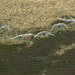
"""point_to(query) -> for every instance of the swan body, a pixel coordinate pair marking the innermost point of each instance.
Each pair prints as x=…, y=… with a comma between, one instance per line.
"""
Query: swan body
x=44, y=32
x=20, y=36
x=3, y=27
x=59, y=24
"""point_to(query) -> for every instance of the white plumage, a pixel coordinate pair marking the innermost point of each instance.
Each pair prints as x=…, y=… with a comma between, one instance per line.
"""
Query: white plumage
x=72, y=19
x=44, y=32
x=3, y=27
x=67, y=20
x=20, y=36
x=59, y=24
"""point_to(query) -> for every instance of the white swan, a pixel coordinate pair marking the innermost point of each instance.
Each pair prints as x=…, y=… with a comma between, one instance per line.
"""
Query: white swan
x=3, y=27
x=59, y=24
x=67, y=20
x=20, y=36
x=44, y=32
x=72, y=19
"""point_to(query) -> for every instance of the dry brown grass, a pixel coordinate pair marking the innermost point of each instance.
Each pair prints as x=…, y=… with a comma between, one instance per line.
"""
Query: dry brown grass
x=23, y=16
x=64, y=49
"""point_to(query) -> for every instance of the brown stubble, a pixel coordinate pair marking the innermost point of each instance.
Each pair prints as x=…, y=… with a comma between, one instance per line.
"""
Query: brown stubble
x=27, y=15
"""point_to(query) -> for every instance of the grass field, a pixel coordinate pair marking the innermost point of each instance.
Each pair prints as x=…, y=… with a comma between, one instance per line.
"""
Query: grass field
x=52, y=55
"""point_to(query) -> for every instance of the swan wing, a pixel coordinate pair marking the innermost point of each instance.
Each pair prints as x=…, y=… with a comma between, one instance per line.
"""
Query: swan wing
x=53, y=26
x=50, y=33
x=37, y=34
x=14, y=37
x=9, y=29
x=65, y=25
x=26, y=34
x=70, y=17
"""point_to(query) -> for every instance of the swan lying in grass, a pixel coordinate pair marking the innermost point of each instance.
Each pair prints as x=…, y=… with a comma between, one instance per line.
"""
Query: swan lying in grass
x=59, y=24
x=3, y=27
x=67, y=20
x=44, y=32
x=72, y=19
x=20, y=36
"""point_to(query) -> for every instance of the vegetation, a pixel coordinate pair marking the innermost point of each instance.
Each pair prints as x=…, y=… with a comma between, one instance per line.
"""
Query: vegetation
x=52, y=55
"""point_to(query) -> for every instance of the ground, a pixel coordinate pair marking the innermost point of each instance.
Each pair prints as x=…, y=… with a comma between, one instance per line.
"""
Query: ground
x=52, y=55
